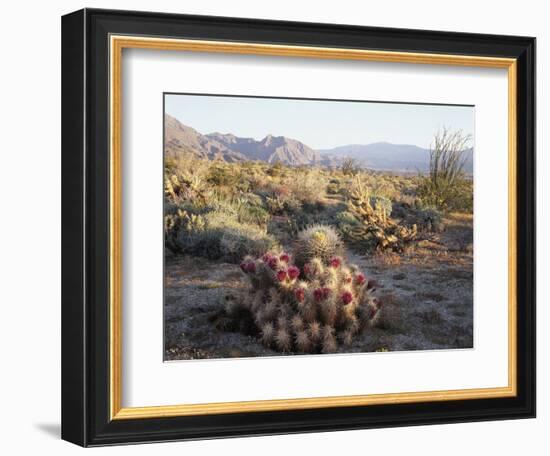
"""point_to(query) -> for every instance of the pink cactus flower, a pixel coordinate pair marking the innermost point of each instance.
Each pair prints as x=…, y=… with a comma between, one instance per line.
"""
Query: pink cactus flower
x=335, y=262
x=285, y=257
x=266, y=257
x=318, y=294
x=272, y=263
x=347, y=297
x=244, y=267
x=251, y=267
x=326, y=292
x=293, y=272
x=300, y=294
x=360, y=278
x=281, y=275
x=307, y=269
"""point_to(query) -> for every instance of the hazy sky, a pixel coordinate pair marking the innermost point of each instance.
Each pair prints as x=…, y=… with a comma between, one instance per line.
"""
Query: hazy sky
x=319, y=124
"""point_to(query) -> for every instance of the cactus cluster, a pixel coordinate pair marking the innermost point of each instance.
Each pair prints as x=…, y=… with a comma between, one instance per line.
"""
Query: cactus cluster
x=376, y=229
x=312, y=308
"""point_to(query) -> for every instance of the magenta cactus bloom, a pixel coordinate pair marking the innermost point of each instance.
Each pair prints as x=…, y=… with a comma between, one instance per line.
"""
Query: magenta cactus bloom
x=285, y=257
x=281, y=275
x=244, y=266
x=326, y=292
x=360, y=278
x=266, y=257
x=293, y=272
x=300, y=294
x=251, y=267
x=307, y=269
x=335, y=262
x=347, y=297
x=272, y=262
x=318, y=294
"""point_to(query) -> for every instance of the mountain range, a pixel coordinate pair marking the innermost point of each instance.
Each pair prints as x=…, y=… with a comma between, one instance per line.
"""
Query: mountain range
x=385, y=156
x=180, y=139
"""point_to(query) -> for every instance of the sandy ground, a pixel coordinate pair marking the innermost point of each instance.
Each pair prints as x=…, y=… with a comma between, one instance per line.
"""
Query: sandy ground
x=427, y=296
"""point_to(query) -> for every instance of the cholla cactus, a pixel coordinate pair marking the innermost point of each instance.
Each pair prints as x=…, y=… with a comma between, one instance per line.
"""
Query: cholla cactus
x=312, y=308
x=376, y=229
x=319, y=241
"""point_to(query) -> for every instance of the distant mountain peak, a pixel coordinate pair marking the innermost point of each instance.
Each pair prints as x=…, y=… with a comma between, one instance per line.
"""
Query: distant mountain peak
x=180, y=138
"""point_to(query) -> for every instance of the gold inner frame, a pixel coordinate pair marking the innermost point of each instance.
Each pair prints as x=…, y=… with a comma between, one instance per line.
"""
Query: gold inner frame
x=117, y=44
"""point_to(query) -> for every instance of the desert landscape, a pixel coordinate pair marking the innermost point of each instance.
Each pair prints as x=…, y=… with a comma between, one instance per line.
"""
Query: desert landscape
x=273, y=248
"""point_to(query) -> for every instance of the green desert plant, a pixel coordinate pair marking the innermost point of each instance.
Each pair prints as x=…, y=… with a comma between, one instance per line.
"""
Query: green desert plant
x=426, y=218
x=446, y=186
x=215, y=235
x=431, y=219
x=310, y=309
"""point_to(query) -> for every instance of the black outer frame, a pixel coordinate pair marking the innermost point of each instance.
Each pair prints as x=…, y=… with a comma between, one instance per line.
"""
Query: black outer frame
x=85, y=227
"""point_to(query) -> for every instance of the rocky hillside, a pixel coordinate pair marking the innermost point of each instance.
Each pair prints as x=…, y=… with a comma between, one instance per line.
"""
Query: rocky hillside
x=181, y=139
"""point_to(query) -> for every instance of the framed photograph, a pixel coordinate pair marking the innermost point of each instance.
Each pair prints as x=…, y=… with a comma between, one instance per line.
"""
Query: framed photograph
x=278, y=227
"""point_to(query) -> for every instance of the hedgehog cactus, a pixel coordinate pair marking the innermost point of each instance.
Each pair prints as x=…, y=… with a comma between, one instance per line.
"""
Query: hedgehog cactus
x=309, y=306
x=317, y=242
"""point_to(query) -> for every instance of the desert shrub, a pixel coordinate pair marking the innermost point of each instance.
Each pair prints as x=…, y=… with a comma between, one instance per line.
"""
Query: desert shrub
x=308, y=186
x=185, y=180
x=222, y=175
x=182, y=230
x=279, y=205
x=429, y=219
x=426, y=218
x=446, y=186
x=346, y=218
x=333, y=188
x=346, y=222
x=311, y=309
x=458, y=197
x=384, y=187
x=350, y=166
x=275, y=169
x=215, y=235
x=251, y=214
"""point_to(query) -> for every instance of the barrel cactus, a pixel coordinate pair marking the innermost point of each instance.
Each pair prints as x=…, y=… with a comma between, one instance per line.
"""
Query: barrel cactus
x=317, y=241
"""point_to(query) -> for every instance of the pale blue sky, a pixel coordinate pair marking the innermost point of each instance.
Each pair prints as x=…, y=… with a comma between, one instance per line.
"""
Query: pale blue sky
x=319, y=124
